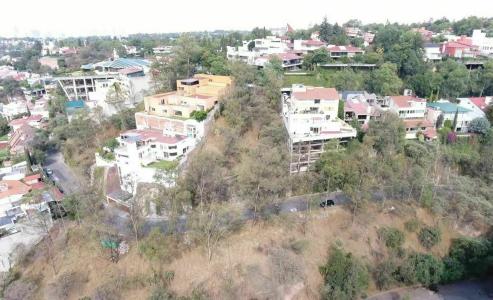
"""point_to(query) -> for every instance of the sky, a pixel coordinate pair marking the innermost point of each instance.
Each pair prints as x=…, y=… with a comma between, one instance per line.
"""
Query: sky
x=62, y=18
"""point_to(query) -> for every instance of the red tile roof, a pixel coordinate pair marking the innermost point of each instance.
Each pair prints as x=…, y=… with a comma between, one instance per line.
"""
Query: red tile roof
x=287, y=56
x=155, y=135
x=32, y=177
x=13, y=187
x=349, y=49
x=403, y=101
x=26, y=120
x=479, y=102
x=313, y=43
x=358, y=107
x=312, y=93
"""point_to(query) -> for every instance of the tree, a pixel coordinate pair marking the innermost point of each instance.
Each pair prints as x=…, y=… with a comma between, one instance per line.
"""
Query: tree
x=345, y=277
x=325, y=30
x=480, y=125
x=260, y=176
x=210, y=226
x=387, y=133
x=385, y=80
x=486, y=77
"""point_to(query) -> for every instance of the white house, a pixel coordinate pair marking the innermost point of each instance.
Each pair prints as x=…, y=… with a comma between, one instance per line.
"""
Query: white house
x=465, y=113
x=139, y=149
x=412, y=111
x=432, y=52
x=250, y=50
x=310, y=118
x=13, y=109
x=485, y=44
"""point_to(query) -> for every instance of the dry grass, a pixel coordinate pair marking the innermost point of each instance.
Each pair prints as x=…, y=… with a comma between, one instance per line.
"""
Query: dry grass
x=240, y=267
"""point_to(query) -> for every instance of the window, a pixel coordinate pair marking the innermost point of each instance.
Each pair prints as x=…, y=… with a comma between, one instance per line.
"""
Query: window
x=153, y=146
x=178, y=113
x=317, y=101
x=172, y=147
x=173, y=154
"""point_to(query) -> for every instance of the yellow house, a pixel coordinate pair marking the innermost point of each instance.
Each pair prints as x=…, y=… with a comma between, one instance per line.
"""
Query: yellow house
x=203, y=84
x=193, y=94
x=175, y=105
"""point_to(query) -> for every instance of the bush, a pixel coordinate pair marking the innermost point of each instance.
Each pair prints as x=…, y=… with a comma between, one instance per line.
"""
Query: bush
x=199, y=115
x=421, y=268
x=345, y=277
x=468, y=257
x=393, y=237
x=412, y=225
x=429, y=236
x=20, y=290
x=385, y=274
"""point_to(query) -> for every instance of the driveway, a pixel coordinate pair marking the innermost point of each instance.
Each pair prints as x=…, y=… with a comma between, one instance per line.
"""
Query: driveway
x=62, y=174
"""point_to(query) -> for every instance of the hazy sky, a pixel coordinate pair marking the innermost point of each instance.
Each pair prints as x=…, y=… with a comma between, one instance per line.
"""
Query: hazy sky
x=98, y=17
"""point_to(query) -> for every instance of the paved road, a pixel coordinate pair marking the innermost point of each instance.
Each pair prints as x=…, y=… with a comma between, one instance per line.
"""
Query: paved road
x=62, y=174
x=120, y=221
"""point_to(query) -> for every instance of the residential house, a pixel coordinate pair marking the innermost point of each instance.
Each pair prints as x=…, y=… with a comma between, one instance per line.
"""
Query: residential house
x=357, y=108
x=20, y=139
x=484, y=43
x=33, y=121
x=343, y=51
x=426, y=35
x=453, y=111
x=140, y=148
x=162, y=50
x=289, y=61
x=432, y=52
x=249, y=51
x=461, y=48
x=307, y=46
x=310, y=118
x=352, y=32
x=481, y=103
x=50, y=62
x=11, y=194
x=412, y=111
x=13, y=109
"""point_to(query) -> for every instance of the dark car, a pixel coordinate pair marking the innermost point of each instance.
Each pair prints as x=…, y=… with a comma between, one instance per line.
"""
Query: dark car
x=327, y=202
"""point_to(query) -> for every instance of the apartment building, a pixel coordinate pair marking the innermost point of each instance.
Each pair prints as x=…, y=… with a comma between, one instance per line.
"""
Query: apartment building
x=343, y=51
x=289, y=61
x=167, y=130
x=412, y=111
x=310, y=117
x=172, y=112
x=306, y=46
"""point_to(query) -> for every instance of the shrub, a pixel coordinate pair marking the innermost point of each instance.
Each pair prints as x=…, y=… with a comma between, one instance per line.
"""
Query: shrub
x=393, y=237
x=345, y=277
x=412, y=225
x=20, y=290
x=429, y=236
x=199, y=115
x=385, y=274
x=421, y=268
x=468, y=257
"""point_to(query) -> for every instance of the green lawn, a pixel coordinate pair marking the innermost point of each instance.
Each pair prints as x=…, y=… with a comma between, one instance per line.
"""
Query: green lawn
x=4, y=138
x=164, y=165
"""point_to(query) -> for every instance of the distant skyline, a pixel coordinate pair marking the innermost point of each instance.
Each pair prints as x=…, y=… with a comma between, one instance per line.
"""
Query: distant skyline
x=59, y=18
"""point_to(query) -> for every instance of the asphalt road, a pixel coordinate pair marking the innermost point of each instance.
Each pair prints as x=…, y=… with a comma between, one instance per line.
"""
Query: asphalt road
x=62, y=174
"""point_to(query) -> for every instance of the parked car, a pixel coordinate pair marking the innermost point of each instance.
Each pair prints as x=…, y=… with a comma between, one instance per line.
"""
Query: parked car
x=327, y=203
x=49, y=171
